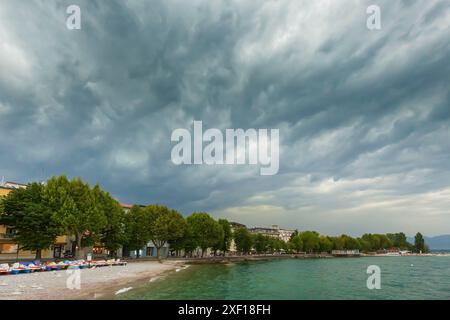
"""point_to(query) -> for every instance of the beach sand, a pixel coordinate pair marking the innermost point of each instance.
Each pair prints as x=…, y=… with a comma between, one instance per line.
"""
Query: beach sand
x=95, y=283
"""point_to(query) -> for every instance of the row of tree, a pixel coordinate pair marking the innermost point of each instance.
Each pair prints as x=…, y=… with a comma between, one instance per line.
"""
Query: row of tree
x=162, y=225
x=313, y=242
x=41, y=212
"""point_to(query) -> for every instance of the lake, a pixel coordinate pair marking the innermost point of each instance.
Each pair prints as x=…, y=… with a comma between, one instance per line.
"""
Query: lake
x=304, y=279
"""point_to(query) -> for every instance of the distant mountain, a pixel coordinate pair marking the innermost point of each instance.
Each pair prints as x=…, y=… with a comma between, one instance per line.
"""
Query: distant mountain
x=435, y=243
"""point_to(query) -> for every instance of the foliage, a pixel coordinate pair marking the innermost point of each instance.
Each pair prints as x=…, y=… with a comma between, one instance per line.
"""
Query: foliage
x=27, y=213
x=137, y=228
x=310, y=240
x=419, y=244
x=206, y=232
x=243, y=240
x=112, y=235
x=325, y=244
x=74, y=205
x=224, y=245
x=164, y=225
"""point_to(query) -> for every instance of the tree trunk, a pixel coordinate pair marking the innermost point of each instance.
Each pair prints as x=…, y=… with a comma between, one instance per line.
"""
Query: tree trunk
x=158, y=252
x=79, y=253
x=203, y=252
x=38, y=254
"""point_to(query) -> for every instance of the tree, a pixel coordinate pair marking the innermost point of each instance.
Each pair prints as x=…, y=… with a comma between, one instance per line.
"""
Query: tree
x=75, y=207
x=310, y=241
x=275, y=244
x=260, y=243
x=338, y=243
x=325, y=244
x=164, y=225
x=112, y=235
x=419, y=244
x=350, y=243
x=137, y=233
x=188, y=242
x=294, y=234
x=296, y=243
x=227, y=235
x=365, y=245
x=399, y=240
x=220, y=239
x=243, y=240
x=206, y=231
x=25, y=210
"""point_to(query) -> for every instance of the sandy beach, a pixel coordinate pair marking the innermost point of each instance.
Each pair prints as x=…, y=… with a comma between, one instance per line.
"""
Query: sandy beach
x=95, y=283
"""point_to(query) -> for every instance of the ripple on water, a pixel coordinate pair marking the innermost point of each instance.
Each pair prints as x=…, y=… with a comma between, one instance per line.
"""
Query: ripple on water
x=305, y=279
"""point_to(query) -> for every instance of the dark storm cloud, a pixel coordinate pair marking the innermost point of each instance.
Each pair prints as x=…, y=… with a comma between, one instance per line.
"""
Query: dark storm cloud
x=363, y=115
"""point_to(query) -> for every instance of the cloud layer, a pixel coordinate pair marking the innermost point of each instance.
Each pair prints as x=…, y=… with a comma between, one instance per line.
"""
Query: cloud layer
x=364, y=116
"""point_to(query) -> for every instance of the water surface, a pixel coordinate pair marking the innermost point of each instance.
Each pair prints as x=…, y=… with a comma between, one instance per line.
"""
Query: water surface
x=344, y=278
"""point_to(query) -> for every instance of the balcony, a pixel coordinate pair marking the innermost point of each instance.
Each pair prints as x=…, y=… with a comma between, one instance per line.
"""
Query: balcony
x=8, y=235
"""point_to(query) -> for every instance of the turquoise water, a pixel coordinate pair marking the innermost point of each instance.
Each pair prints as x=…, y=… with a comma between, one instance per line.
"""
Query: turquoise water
x=401, y=278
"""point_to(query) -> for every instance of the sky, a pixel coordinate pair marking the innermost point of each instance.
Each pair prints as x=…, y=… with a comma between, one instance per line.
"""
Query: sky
x=363, y=115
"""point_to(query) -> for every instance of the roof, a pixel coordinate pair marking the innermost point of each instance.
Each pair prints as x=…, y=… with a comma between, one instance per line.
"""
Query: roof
x=126, y=205
x=129, y=206
x=12, y=185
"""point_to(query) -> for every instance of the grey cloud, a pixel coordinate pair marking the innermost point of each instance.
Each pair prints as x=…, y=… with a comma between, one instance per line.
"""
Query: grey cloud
x=351, y=104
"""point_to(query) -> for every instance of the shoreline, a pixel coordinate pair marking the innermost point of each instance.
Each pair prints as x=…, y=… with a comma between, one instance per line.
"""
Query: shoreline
x=104, y=282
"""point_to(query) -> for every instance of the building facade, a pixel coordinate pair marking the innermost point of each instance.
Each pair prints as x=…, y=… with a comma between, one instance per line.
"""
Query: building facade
x=274, y=232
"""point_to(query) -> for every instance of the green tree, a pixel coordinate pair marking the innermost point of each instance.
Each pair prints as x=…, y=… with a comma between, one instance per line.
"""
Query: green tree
x=296, y=243
x=419, y=244
x=294, y=234
x=364, y=244
x=25, y=210
x=325, y=244
x=243, y=240
x=220, y=239
x=227, y=235
x=112, y=235
x=399, y=240
x=338, y=243
x=189, y=242
x=165, y=225
x=275, y=244
x=260, y=243
x=310, y=241
x=137, y=229
x=206, y=231
x=350, y=243
x=75, y=207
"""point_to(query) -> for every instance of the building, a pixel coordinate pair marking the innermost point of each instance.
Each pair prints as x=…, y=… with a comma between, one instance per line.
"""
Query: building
x=274, y=232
